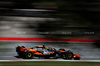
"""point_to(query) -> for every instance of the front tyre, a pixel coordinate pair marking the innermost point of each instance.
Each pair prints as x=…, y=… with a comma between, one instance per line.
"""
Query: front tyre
x=56, y=56
x=29, y=55
x=69, y=55
x=63, y=56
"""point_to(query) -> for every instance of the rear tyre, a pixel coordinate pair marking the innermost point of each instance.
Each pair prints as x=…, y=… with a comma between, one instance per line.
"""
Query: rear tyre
x=29, y=55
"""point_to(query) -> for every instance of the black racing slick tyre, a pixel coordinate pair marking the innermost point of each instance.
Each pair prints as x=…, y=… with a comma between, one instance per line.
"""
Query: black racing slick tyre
x=63, y=56
x=56, y=56
x=29, y=55
x=69, y=55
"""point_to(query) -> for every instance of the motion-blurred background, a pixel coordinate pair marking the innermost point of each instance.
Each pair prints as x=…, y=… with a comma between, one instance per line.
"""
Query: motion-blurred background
x=72, y=19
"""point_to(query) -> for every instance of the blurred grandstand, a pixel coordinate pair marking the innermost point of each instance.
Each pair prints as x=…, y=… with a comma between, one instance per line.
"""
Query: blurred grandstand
x=71, y=18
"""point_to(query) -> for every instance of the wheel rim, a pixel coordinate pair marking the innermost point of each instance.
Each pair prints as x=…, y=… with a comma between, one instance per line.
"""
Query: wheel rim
x=63, y=56
x=29, y=54
x=56, y=55
x=69, y=55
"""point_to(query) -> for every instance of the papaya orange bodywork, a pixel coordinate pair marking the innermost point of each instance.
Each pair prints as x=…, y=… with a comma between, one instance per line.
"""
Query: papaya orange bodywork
x=52, y=52
x=37, y=53
x=62, y=51
x=32, y=50
x=76, y=56
x=41, y=46
x=22, y=49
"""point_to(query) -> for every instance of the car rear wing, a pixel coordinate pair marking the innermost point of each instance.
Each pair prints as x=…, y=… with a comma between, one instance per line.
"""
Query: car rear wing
x=20, y=49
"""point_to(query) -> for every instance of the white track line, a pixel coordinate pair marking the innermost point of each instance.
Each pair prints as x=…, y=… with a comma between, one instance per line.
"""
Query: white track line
x=51, y=60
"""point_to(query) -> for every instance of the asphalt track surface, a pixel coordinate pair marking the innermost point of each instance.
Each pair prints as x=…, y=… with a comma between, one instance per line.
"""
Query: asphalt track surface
x=87, y=51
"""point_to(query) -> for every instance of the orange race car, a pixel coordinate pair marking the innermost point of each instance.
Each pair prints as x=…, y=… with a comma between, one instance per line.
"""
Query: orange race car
x=45, y=52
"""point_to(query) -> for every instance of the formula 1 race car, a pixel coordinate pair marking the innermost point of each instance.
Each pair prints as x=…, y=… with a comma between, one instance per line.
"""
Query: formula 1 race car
x=45, y=52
